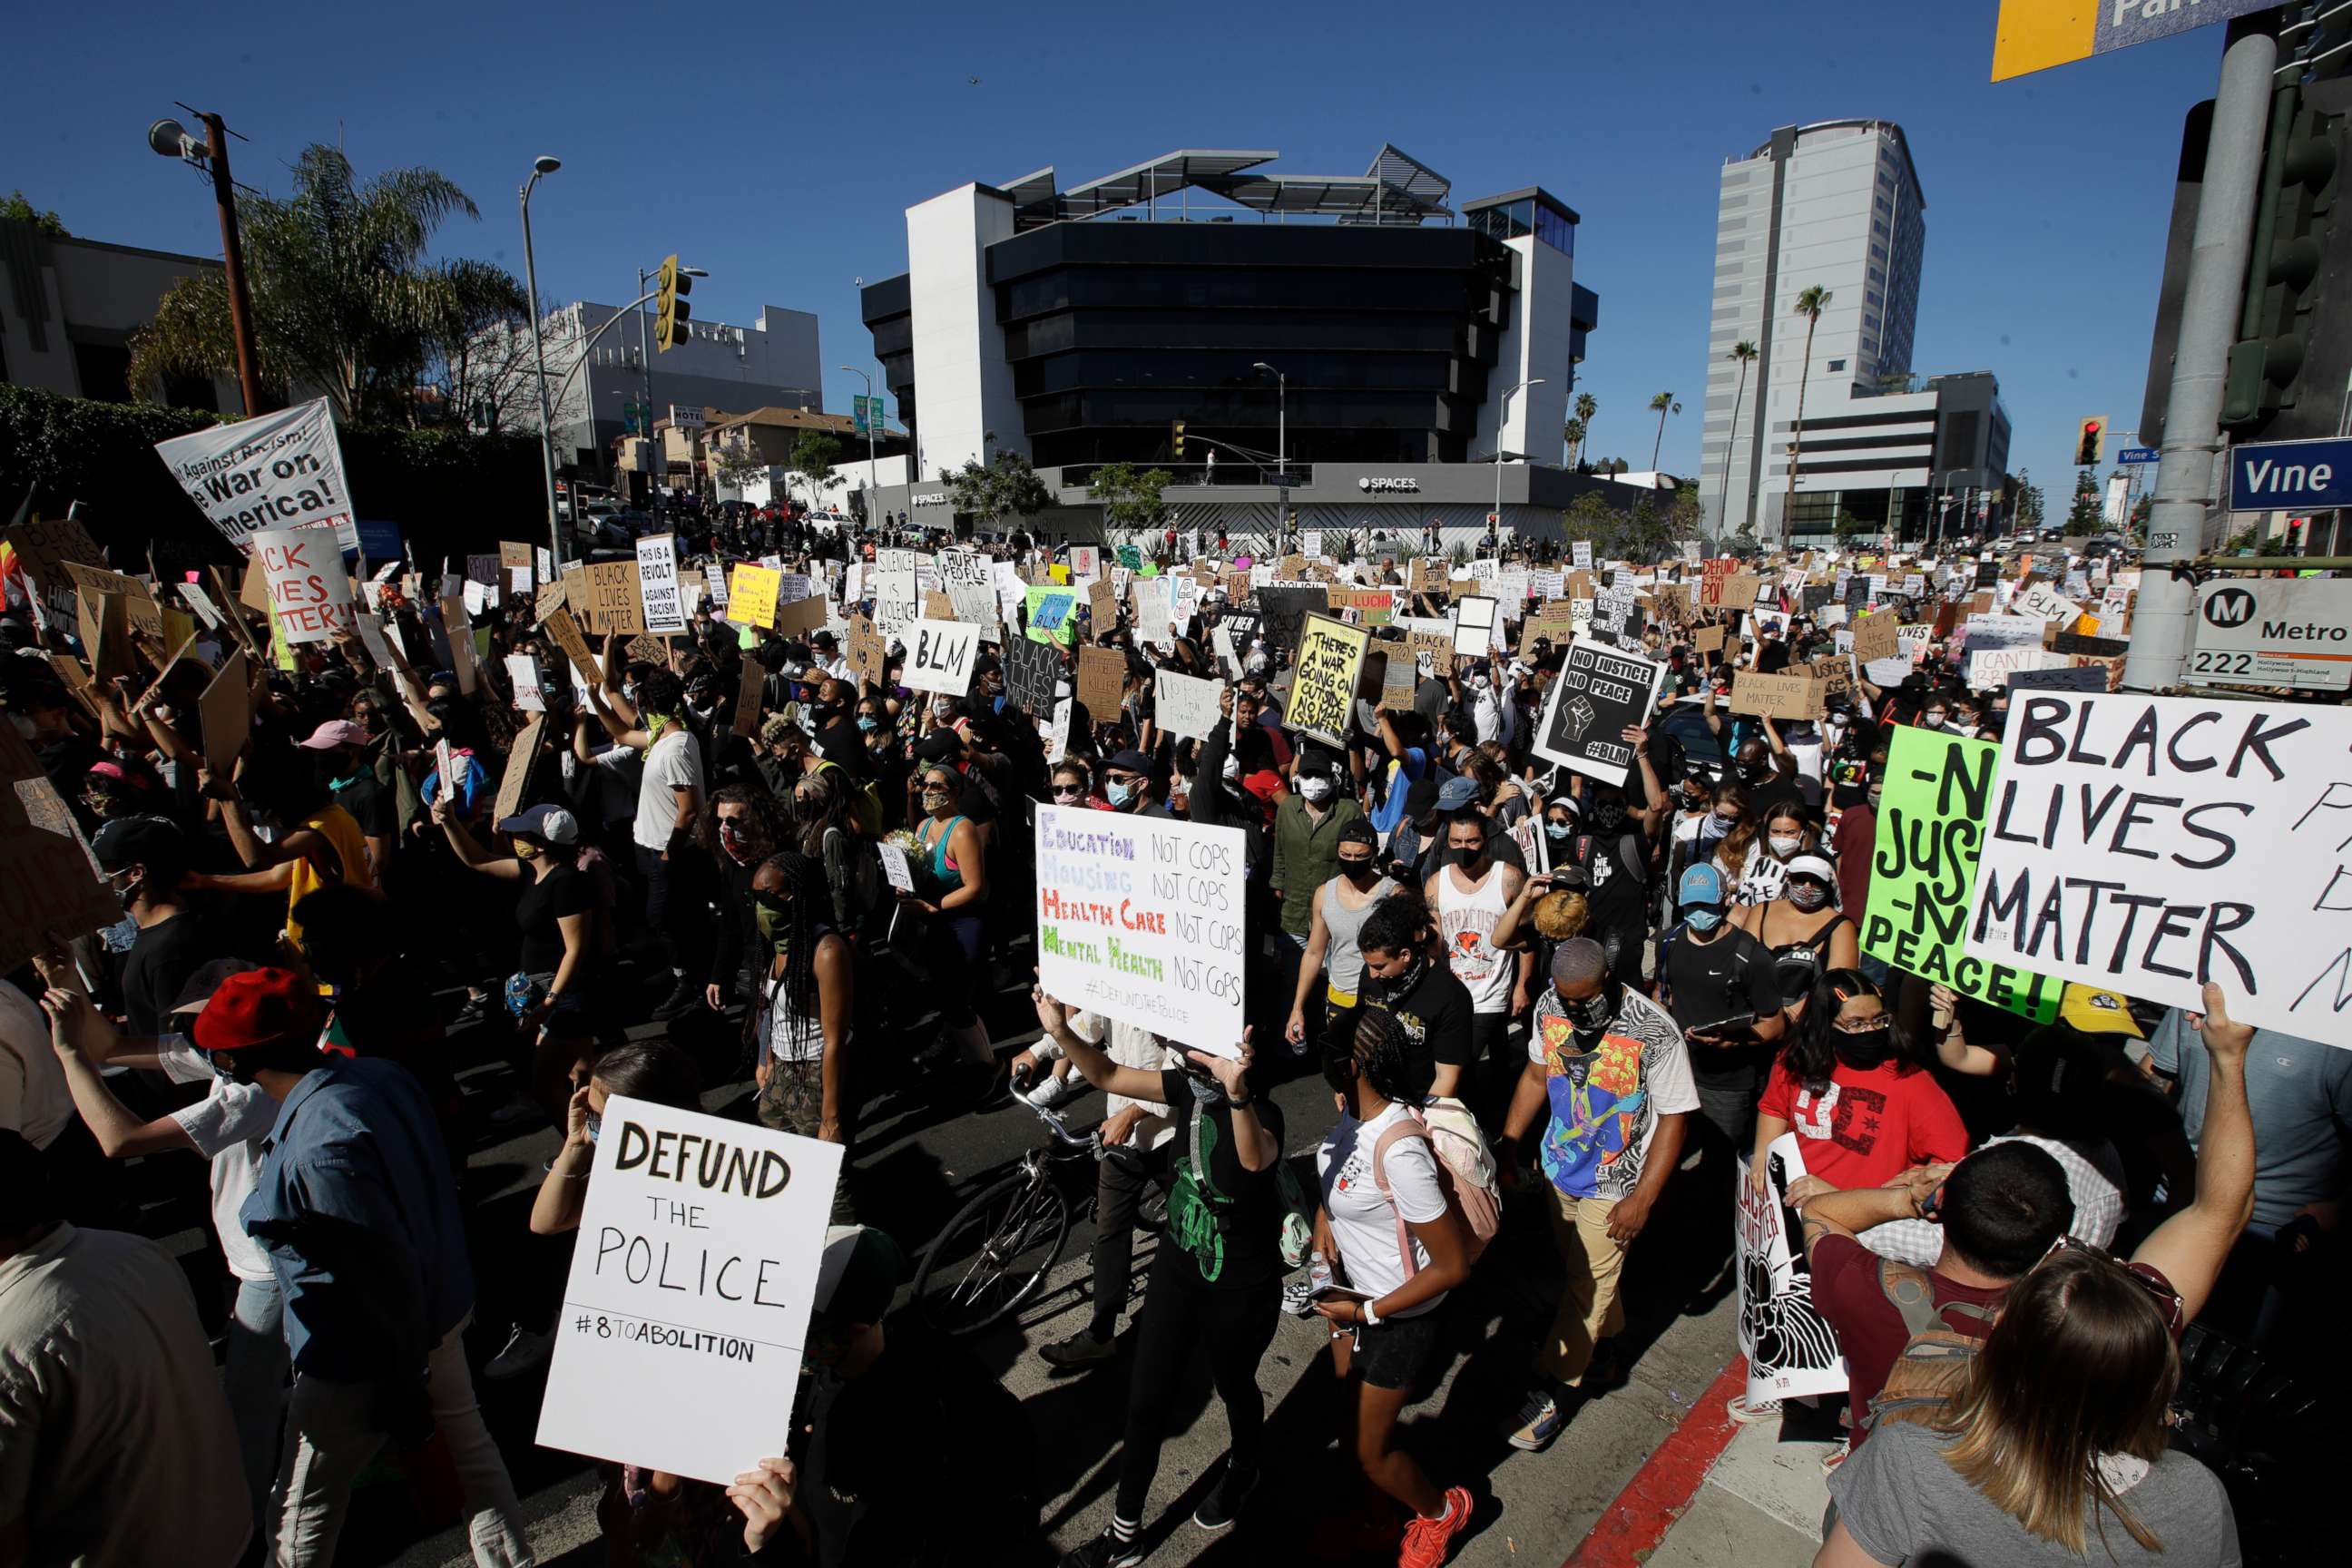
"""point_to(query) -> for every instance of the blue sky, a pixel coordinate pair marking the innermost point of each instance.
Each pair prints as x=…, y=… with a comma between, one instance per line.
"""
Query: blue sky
x=778, y=145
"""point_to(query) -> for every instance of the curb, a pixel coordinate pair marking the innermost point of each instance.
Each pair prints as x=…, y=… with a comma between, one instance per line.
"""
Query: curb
x=1638, y=1518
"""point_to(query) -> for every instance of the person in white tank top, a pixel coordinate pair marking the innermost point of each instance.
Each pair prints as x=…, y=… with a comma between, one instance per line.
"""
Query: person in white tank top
x=1469, y=898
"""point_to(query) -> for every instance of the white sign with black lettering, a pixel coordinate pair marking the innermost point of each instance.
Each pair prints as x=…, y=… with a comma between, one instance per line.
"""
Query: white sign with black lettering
x=1185, y=706
x=2147, y=844
x=2255, y=631
x=657, y=583
x=678, y=1347
x=1600, y=691
x=939, y=657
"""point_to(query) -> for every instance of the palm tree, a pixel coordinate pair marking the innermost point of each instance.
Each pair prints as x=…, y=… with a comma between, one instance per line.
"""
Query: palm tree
x=1573, y=433
x=1810, y=305
x=1587, y=408
x=1744, y=351
x=344, y=299
x=1662, y=405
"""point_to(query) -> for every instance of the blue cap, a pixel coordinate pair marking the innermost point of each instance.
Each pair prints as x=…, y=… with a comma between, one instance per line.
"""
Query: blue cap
x=549, y=824
x=1457, y=792
x=1702, y=884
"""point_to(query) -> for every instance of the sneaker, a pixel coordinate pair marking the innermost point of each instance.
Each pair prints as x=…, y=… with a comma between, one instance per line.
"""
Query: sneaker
x=518, y=1108
x=1539, y=1419
x=1081, y=1349
x=1751, y=1411
x=1427, y=1542
x=683, y=999
x=1050, y=1091
x=1836, y=1456
x=523, y=1352
x=1105, y=1550
x=1224, y=1503
x=475, y=1010
x=1298, y=1298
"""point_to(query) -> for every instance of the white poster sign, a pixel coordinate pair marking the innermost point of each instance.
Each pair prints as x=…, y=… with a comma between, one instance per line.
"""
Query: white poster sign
x=657, y=583
x=522, y=674
x=1139, y=918
x=1155, y=608
x=1475, y=620
x=970, y=586
x=1580, y=555
x=1989, y=668
x=1793, y=1352
x=939, y=656
x=678, y=1346
x=2044, y=602
x=1185, y=706
x=281, y=470
x=2148, y=844
x=308, y=592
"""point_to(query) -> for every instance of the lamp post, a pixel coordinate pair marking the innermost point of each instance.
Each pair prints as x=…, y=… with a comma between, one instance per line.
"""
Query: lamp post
x=541, y=165
x=645, y=365
x=1281, y=449
x=1502, y=415
x=170, y=140
x=873, y=409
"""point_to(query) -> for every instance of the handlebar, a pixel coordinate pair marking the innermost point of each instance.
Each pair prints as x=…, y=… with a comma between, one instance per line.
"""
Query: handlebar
x=1091, y=1141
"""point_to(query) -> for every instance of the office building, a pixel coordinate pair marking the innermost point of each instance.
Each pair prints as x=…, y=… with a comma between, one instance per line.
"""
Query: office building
x=1354, y=335
x=68, y=308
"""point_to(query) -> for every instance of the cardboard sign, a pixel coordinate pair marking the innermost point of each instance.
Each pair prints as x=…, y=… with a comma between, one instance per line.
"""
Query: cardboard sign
x=1185, y=706
x=1793, y=1352
x=1286, y=610
x=564, y=632
x=679, y=1344
x=514, y=781
x=1102, y=606
x=657, y=583
x=225, y=711
x=1600, y=691
x=749, y=692
x=272, y=472
x=2070, y=678
x=145, y=615
x=1102, y=681
x=1876, y=637
x=2147, y=844
x=803, y=617
x=310, y=595
x=2044, y=602
x=940, y=656
x=751, y=595
x=2097, y=648
x=1931, y=822
x=523, y=676
x=42, y=549
x=869, y=655
x=51, y=892
x=1776, y=696
x=611, y=601
x=1139, y=919
x=1323, y=687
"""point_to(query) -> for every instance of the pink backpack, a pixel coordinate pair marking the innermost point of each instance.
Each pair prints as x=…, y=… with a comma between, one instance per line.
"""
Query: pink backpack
x=1464, y=1162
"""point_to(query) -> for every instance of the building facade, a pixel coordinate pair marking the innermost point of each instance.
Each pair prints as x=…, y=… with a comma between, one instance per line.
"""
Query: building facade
x=1836, y=204
x=1200, y=313
x=69, y=308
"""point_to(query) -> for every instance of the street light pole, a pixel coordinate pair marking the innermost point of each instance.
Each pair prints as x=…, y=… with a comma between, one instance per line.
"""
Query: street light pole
x=645, y=365
x=541, y=165
x=1281, y=451
x=168, y=139
x=873, y=495
x=1501, y=416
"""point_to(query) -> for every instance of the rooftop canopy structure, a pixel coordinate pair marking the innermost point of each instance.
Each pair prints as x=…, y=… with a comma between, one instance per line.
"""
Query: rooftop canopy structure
x=1398, y=190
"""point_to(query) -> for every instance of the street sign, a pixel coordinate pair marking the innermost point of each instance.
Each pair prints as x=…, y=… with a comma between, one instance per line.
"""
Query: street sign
x=2273, y=631
x=2034, y=35
x=683, y=417
x=2291, y=476
x=866, y=416
x=2130, y=455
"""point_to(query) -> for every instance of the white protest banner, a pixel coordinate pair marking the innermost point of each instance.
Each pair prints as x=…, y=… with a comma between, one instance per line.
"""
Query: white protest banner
x=970, y=586
x=1185, y=706
x=1793, y=1352
x=1600, y=691
x=277, y=471
x=2044, y=602
x=518, y=579
x=1580, y=554
x=202, y=603
x=1139, y=918
x=1473, y=623
x=657, y=584
x=308, y=592
x=1989, y=668
x=1155, y=608
x=2148, y=844
x=1086, y=563
x=1310, y=543
x=530, y=686
x=1992, y=631
x=939, y=657
x=476, y=597
x=894, y=867
x=678, y=1346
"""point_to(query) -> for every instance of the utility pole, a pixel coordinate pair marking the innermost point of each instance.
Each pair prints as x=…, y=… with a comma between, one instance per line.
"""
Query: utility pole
x=240, y=303
x=2208, y=324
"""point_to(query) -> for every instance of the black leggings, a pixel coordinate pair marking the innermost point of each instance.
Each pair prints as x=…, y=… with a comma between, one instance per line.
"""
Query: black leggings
x=1234, y=1326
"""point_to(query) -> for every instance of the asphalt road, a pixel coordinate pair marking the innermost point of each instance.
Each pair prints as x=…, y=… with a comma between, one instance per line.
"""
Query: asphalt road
x=923, y=1149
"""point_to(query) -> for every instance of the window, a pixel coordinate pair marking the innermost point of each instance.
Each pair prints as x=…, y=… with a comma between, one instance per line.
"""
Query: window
x=1837, y=364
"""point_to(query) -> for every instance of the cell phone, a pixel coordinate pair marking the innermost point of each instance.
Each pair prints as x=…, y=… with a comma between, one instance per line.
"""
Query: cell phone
x=1342, y=1293
x=1738, y=1024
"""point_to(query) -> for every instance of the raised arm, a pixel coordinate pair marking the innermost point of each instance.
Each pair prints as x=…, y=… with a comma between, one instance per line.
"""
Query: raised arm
x=2190, y=1247
x=1093, y=1064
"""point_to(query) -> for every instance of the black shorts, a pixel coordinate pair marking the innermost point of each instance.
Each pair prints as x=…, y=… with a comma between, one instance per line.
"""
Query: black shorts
x=1391, y=1352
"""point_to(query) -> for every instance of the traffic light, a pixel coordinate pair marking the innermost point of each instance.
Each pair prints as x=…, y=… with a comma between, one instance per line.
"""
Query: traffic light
x=672, y=310
x=2091, y=443
x=2294, y=212
x=1176, y=439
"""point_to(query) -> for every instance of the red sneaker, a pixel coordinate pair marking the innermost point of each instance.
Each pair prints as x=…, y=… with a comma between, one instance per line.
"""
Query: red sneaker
x=1428, y=1541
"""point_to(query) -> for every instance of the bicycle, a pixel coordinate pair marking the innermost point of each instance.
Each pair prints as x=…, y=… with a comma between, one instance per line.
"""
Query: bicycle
x=997, y=1250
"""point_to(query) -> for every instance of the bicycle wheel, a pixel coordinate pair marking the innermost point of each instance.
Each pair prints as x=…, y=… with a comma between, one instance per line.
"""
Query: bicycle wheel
x=994, y=1255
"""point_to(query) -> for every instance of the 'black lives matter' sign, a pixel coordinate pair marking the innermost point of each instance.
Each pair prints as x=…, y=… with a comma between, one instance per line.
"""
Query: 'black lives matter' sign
x=1600, y=693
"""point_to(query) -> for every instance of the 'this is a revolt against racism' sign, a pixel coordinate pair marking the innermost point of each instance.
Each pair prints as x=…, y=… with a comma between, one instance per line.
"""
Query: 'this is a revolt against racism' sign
x=1139, y=918
x=279, y=470
x=2150, y=844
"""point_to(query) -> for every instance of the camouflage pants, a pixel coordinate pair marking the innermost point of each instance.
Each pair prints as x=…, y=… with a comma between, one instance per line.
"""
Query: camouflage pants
x=792, y=1101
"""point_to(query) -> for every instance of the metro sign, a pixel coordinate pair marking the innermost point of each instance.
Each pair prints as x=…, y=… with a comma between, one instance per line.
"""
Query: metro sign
x=2291, y=476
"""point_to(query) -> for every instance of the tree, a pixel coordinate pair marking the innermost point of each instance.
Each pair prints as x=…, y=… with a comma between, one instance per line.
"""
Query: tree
x=478, y=365
x=344, y=299
x=814, y=455
x=2028, y=512
x=2083, y=513
x=1849, y=525
x=1662, y=405
x=1744, y=353
x=1588, y=408
x=1006, y=487
x=16, y=209
x=1591, y=518
x=1810, y=305
x=1573, y=433
x=737, y=463
x=1131, y=499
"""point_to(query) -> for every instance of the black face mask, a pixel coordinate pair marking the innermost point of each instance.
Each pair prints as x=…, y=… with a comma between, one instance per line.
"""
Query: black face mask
x=1749, y=772
x=1863, y=1050
x=1591, y=1016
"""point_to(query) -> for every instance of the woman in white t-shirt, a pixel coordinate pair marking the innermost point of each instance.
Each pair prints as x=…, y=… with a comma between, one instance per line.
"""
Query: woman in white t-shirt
x=1397, y=1245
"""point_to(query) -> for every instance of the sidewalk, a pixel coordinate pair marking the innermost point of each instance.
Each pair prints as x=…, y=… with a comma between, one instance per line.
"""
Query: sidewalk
x=1714, y=1492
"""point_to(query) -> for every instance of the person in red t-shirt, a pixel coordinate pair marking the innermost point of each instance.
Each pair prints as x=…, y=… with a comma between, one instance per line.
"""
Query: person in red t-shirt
x=1863, y=1110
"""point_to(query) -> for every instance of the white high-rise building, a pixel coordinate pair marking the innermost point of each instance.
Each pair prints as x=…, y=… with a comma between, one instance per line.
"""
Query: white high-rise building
x=1836, y=204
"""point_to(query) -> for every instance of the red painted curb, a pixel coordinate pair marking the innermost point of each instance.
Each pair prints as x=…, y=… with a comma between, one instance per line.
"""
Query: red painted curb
x=1638, y=1518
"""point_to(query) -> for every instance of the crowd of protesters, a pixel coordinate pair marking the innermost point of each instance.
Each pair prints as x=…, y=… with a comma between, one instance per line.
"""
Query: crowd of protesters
x=1525, y=988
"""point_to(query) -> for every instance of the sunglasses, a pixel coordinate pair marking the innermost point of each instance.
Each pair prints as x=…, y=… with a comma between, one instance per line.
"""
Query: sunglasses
x=1061, y=790
x=2163, y=1294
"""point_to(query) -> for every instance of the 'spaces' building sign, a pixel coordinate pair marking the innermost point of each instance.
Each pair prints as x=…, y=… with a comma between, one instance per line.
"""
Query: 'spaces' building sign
x=1394, y=485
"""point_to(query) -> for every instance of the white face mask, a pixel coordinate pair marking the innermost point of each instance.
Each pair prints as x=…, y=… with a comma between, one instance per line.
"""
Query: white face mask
x=1233, y=769
x=1314, y=791
x=1785, y=845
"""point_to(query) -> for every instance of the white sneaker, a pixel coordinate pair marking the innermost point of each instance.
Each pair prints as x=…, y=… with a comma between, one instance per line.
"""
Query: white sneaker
x=1749, y=1412
x=523, y=1352
x=1051, y=1091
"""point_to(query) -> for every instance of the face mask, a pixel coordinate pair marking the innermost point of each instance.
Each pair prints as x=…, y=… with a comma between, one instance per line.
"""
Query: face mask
x=1593, y=1014
x=1876, y=791
x=933, y=799
x=1360, y=872
x=1785, y=844
x=1935, y=721
x=1712, y=828
x=1557, y=832
x=868, y=723
x=1233, y=769
x=1703, y=918
x=525, y=851
x=773, y=920
x=943, y=710
x=732, y=839
x=1863, y=1049
x=1749, y=772
x=1118, y=792
x=1808, y=897
x=1607, y=815
x=1315, y=790
x=1398, y=985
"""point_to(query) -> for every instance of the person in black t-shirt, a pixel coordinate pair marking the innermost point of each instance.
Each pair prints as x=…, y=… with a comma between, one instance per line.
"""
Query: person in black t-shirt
x=1406, y=973
x=143, y=858
x=1217, y=1278
x=1718, y=982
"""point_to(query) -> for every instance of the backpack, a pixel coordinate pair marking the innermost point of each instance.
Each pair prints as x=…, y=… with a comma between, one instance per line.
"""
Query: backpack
x=865, y=798
x=1934, y=1362
x=1464, y=1161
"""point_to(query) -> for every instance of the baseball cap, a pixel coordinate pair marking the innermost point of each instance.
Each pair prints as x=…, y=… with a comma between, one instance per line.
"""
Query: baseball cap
x=1814, y=866
x=258, y=1007
x=1700, y=885
x=1133, y=761
x=2097, y=1012
x=138, y=841
x=822, y=639
x=1266, y=785
x=206, y=980
x=1457, y=792
x=552, y=823
x=336, y=732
